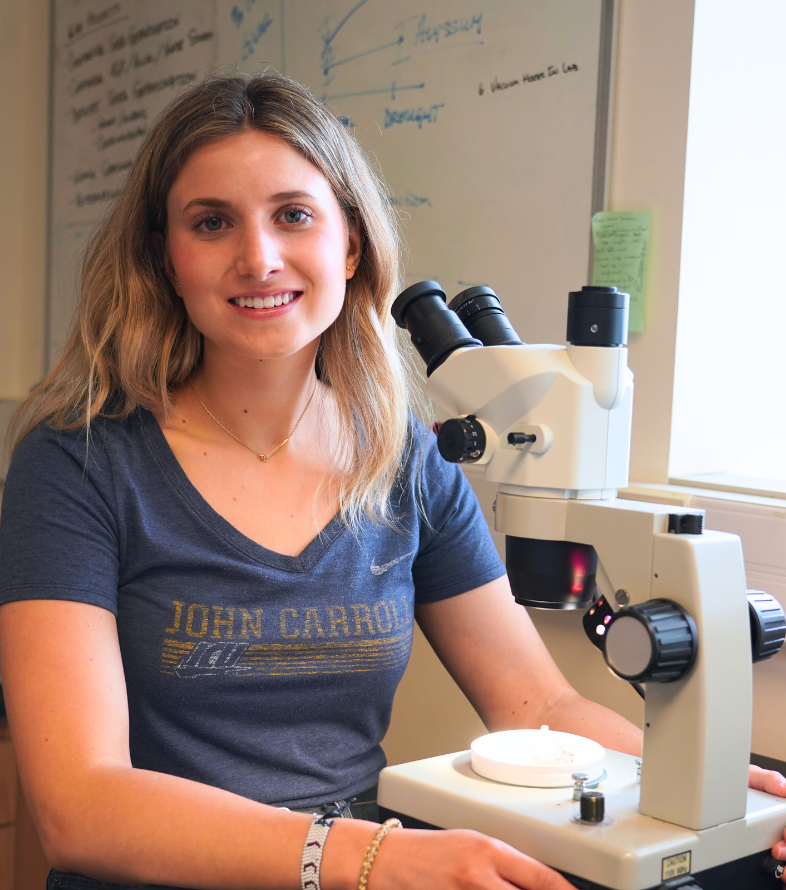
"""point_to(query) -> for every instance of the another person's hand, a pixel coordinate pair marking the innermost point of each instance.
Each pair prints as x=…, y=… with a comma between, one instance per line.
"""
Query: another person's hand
x=457, y=860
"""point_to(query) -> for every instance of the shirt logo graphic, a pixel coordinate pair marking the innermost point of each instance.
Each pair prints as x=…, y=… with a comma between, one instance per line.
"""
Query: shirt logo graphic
x=380, y=570
x=212, y=658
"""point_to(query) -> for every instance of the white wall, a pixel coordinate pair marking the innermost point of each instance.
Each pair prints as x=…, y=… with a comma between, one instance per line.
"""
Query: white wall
x=24, y=68
x=24, y=115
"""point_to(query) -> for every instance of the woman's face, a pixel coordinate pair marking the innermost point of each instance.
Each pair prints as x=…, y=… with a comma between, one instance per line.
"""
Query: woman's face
x=257, y=247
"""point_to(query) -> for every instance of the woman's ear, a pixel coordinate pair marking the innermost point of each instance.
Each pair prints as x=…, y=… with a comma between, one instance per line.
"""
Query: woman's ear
x=164, y=261
x=354, y=245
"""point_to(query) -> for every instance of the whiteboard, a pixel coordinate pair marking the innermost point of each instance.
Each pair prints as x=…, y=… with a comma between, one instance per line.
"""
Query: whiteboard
x=487, y=119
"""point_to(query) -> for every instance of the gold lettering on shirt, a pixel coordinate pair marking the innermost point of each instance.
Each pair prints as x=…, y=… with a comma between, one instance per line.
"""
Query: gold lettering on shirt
x=219, y=622
x=384, y=625
x=312, y=620
x=362, y=615
x=283, y=621
x=341, y=612
x=176, y=622
x=190, y=620
x=255, y=625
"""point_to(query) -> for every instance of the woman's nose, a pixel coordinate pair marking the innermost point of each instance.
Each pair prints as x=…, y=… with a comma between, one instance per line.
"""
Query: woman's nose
x=259, y=254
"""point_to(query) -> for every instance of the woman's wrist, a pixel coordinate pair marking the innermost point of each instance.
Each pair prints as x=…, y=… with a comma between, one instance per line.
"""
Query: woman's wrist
x=344, y=852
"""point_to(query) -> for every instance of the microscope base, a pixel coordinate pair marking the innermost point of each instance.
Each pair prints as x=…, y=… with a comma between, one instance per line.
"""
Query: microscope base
x=634, y=852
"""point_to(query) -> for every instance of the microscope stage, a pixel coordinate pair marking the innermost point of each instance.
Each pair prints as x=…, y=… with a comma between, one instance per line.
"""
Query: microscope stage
x=631, y=852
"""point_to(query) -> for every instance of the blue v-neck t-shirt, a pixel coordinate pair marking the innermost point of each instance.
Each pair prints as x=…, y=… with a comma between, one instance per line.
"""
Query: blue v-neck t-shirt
x=267, y=675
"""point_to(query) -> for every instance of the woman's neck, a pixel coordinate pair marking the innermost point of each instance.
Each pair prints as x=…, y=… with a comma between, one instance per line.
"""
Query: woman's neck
x=260, y=401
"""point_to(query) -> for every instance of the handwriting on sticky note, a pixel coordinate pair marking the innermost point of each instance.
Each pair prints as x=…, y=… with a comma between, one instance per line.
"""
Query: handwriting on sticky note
x=621, y=242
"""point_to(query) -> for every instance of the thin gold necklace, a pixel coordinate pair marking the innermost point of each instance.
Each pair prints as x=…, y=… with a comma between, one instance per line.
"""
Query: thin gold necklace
x=262, y=457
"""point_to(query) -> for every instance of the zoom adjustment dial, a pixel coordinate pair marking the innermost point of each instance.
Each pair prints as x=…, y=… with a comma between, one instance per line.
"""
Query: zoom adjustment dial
x=654, y=642
x=462, y=440
x=768, y=625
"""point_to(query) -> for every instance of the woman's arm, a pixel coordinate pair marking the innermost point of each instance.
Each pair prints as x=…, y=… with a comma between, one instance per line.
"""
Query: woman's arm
x=491, y=648
x=97, y=815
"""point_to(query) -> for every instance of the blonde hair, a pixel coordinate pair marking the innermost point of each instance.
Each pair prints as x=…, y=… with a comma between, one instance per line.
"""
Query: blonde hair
x=133, y=343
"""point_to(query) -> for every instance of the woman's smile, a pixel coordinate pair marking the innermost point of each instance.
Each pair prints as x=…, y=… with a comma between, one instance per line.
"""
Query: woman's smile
x=267, y=305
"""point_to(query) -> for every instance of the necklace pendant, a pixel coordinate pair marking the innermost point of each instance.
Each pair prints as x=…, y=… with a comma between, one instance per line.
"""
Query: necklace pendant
x=264, y=457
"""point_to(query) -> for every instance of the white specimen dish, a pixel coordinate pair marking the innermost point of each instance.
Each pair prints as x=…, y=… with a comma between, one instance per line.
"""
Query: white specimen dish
x=537, y=758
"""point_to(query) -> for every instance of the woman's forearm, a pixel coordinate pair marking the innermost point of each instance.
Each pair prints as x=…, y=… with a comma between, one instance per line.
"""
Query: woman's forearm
x=573, y=713
x=132, y=826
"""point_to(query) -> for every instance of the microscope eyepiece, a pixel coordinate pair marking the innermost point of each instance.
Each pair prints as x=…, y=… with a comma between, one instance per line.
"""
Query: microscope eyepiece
x=483, y=316
x=598, y=316
x=435, y=330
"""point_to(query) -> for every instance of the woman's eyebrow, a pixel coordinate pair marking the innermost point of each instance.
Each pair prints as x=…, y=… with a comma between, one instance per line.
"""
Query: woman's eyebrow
x=219, y=204
x=279, y=197
x=207, y=202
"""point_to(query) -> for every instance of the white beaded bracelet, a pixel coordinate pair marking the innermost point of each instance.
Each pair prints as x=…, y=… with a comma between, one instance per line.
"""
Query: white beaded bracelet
x=312, y=852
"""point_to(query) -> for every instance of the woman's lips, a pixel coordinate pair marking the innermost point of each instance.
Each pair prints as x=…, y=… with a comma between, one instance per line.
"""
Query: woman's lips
x=248, y=301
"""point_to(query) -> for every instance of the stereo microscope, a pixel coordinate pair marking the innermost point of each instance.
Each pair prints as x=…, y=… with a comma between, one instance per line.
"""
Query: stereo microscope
x=665, y=600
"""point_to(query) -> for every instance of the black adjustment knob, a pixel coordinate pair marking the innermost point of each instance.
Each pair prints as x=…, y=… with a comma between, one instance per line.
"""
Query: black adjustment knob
x=686, y=523
x=654, y=641
x=774, y=868
x=592, y=806
x=521, y=438
x=768, y=625
x=462, y=440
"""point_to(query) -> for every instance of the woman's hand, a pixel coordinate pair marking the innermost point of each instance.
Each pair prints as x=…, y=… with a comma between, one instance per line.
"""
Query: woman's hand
x=449, y=860
x=773, y=783
x=779, y=852
x=766, y=780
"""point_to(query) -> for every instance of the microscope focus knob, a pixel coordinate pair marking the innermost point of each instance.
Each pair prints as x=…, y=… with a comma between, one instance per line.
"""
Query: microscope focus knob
x=653, y=642
x=768, y=625
x=462, y=440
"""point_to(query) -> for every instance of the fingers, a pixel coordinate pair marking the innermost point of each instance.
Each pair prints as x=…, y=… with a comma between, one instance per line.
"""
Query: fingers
x=457, y=860
x=766, y=780
x=779, y=852
x=525, y=872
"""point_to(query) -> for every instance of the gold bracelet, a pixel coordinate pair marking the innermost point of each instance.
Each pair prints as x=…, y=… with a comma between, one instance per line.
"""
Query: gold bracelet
x=373, y=849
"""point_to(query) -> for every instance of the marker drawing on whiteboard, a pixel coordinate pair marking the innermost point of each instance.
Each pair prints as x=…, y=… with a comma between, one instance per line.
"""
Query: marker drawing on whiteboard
x=427, y=33
x=417, y=116
x=253, y=37
x=328, y=67
x=497, y=85
x=120, y=71
x=393, y=89
x=408, y=199
x=328, y=35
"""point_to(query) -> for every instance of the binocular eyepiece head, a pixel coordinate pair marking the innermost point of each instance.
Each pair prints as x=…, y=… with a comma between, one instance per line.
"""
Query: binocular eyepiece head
x=474, y=318
x=597, y=316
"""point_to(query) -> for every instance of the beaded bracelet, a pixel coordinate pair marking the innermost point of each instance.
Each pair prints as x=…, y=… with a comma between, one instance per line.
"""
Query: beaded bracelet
x=373, y=849
x=311, y=860
x=312, y=852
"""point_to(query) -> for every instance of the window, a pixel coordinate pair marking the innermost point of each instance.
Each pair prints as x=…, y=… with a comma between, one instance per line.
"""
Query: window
x=729, y=416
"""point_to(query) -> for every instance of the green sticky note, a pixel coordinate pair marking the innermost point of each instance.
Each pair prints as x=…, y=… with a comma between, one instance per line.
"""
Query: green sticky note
x=621, y=241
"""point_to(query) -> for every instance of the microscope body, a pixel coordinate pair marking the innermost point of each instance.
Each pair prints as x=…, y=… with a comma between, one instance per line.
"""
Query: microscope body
x=551, y=426
x=697, y=728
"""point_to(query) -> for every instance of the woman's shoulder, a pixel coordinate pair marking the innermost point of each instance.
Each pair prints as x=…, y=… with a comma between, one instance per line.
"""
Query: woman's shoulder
x=48, y=449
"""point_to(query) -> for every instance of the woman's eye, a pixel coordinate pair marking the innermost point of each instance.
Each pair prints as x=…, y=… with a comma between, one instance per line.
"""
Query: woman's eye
x=212, y=224
x=294, y=216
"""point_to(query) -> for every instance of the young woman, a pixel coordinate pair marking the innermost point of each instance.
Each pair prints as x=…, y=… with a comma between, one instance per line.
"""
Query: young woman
x=221, y=520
